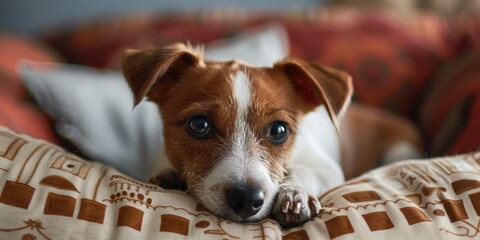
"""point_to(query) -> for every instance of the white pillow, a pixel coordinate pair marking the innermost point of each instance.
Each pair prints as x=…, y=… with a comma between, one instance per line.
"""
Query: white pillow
x=259, y=46
x=93, y=108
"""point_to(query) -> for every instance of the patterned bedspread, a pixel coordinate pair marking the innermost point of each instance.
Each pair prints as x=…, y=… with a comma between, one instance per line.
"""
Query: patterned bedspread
x=47, y=193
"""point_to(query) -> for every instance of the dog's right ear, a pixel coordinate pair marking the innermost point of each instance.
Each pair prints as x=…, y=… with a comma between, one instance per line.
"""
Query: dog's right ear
x=145, y=68
x=319, y=85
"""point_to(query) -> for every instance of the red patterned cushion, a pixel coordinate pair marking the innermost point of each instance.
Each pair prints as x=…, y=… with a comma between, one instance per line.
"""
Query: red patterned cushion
x=469, y=28
x=450, y=115
x=99, y=43
x=26, y=118
x=16, y=112
x=12, y=50
x=390, y=59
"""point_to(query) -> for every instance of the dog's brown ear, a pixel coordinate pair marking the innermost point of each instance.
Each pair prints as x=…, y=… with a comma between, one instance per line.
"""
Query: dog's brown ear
x=144, y=68
x=319, y=85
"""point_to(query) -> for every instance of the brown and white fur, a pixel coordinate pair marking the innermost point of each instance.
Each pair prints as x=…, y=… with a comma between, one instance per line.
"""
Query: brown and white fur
x=238, y=169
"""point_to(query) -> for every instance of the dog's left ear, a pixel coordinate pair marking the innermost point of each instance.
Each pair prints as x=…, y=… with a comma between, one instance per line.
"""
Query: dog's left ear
x=317, y=85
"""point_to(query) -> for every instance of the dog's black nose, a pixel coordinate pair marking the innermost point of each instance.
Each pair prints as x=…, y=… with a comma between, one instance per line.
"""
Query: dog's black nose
x=244, y=200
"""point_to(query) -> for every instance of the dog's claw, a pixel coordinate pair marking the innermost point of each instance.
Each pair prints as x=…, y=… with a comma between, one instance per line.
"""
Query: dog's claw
x=294, y=207
x=296, y=210
x=285, y=209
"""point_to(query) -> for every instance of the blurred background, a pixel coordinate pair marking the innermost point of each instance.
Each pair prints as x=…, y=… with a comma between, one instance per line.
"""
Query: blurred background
x=416, y=58
x=27, y=17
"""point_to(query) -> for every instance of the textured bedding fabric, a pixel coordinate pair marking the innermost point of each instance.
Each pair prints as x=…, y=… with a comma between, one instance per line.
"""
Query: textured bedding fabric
x=47, y=193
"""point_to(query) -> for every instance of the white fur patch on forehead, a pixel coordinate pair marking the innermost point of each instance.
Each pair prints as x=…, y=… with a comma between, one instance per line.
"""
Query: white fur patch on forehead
x=242, y=93
x=242, y=138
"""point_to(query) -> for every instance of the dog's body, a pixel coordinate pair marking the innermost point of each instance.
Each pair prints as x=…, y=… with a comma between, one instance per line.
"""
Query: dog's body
x=249, y=142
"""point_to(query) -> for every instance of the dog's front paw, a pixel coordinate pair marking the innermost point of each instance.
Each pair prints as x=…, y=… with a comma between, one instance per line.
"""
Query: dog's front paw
x=168, y=180
x=294, y=207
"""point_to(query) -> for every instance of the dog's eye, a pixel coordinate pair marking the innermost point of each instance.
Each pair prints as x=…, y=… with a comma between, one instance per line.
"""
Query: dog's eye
x=198, y=127
x=278, y=133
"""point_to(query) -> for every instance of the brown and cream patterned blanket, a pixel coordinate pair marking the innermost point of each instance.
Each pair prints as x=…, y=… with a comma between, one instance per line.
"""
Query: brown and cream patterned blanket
x=47, y=193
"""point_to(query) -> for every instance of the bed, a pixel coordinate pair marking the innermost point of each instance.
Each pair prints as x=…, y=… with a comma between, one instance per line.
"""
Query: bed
x=48, y=193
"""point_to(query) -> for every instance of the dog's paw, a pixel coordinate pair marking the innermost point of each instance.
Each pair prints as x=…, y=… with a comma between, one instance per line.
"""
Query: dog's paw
x=168, y=180
x=294, y=207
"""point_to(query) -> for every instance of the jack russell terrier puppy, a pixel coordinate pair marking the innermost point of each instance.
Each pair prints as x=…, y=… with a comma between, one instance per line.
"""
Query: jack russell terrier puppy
x=248, y=142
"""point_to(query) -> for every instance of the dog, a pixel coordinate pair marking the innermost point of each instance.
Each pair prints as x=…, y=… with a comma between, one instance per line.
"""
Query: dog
x=248, y=142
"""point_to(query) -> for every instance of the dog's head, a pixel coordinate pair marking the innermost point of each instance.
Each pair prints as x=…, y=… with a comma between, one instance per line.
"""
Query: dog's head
x=229, y=127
